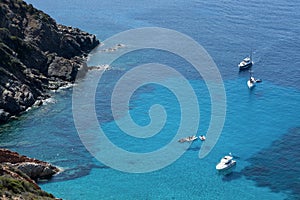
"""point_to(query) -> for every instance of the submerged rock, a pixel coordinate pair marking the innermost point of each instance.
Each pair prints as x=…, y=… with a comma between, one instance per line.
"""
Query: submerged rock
x=278, y=166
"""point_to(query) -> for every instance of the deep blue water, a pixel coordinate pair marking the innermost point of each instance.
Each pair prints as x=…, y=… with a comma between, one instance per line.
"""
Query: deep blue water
x=261, y=127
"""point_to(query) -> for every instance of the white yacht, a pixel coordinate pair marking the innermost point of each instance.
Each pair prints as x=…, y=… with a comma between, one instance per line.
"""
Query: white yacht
x=225, y=163
x=251, y=82
x=246, y=63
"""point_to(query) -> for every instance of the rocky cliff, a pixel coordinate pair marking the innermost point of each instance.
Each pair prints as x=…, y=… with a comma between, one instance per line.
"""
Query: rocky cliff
x=18, y=174
x=36, y=54
x=33, y=168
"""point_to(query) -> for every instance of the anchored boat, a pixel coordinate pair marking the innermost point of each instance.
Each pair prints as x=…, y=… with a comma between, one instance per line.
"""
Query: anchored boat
x=246, y=62
x=226, y=163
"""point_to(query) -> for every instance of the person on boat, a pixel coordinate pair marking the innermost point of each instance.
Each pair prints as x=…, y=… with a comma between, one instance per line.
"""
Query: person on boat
x=202, y=137
x=252, y=80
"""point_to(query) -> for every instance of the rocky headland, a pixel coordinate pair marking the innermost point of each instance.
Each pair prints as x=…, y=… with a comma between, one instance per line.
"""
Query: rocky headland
x=18, y=174
x=36, y=55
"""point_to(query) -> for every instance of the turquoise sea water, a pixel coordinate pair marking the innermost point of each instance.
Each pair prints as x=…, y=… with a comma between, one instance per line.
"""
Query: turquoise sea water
x=261, y=127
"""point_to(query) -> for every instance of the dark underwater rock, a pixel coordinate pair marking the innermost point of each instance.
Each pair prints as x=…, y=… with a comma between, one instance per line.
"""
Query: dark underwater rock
x=278, y=166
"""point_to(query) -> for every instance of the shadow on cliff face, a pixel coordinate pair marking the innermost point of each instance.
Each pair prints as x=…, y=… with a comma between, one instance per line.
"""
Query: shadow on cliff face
x=278, y=167
x=36, y=54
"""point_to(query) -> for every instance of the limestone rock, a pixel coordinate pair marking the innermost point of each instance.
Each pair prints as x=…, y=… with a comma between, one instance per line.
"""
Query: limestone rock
x=37, y=170
x=33, y=168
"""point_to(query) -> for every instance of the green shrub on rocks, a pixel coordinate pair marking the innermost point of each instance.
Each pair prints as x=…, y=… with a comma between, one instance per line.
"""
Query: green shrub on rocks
x=10, y=187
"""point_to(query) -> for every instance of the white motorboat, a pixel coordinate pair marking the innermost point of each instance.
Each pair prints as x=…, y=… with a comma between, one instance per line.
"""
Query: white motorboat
x=246, y=62
x=251, y=82
x=202, y=137
x=226, y=163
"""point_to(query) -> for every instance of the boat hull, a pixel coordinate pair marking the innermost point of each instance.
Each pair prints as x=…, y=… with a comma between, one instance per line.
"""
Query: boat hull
x=250, y=85
x=221, y=167
x=247, y=66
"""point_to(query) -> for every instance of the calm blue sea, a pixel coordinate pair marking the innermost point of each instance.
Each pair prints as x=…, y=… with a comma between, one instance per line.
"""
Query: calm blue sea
x=262, y=126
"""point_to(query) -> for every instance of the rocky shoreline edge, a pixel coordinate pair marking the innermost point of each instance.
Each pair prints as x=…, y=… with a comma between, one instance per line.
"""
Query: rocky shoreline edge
x=18, y=176
x=36, y=55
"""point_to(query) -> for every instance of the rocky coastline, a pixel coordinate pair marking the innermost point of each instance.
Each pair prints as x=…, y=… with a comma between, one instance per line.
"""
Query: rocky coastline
x=18, y=176
x=36, y=55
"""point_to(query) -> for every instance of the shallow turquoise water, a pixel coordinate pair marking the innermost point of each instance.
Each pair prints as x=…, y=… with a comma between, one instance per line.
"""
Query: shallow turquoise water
x=189, y=177
x=255, y=120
